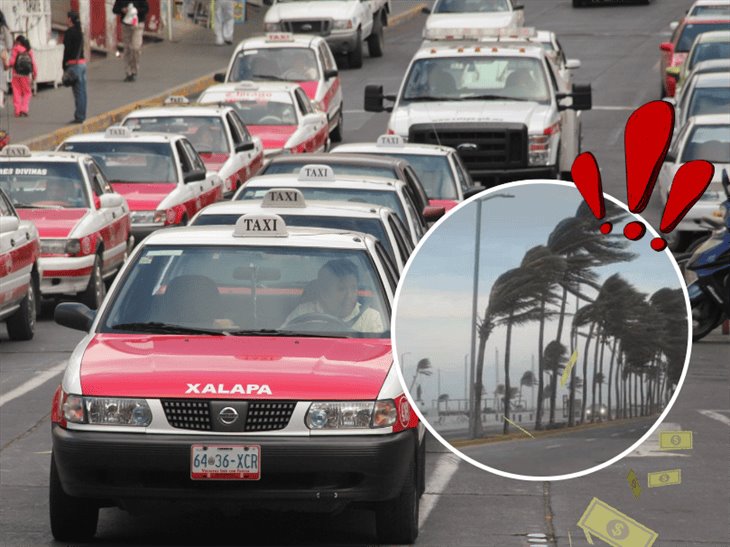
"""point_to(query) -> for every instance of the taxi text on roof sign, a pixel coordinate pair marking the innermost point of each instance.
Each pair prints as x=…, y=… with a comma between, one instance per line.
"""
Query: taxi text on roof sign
x=279, y=37
x=390, y=140
x=260, y=225
x=118, y=131
x=284, y=197
x=16, y=151
x=176, y=99
x=316, y=172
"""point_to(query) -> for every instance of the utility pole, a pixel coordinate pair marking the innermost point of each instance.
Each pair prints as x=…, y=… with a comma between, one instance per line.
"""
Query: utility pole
x=532, y=387
x=466, y=380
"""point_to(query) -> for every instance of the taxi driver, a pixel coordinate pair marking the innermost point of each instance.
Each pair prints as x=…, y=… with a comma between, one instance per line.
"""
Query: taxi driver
x=336, y=295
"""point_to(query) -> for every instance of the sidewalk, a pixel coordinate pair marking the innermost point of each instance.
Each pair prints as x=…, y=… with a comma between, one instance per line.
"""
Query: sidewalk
x=188, y=62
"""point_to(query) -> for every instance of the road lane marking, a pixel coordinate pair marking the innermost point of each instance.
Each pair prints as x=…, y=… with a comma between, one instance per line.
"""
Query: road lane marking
x=445, y=468
x=31, y=384
x=715, y=416
x=553, y=446
x=615, y=434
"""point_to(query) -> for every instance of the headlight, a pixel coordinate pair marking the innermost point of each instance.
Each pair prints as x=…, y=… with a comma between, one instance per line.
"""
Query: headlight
x=351, y=415
x=540, y=149
x=60, y=246
x=272, y=27
x=342, y=24
x=148, y=217
x=107, y=411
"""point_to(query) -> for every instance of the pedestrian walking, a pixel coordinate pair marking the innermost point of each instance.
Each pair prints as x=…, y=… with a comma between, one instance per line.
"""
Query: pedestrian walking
x=24, y=68
x=132, y=14
x=6, y=44
x=224, y=21
x=74, y=64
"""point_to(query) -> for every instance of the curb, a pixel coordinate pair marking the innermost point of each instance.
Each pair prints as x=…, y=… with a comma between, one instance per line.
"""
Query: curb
x=100, y=122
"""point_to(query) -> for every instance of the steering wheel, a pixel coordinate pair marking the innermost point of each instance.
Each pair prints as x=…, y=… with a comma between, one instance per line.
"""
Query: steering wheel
x=320, y=318
x=270, y=119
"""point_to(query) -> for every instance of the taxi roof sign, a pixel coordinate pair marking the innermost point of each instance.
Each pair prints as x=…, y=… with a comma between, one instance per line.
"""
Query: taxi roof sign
x=16, y=151
x=279, y=37
x=118, y=131
x=260, y=225
x=176, y=99
x=390, y=140
x=316, y=172
x=284, y=198
x=483, y=34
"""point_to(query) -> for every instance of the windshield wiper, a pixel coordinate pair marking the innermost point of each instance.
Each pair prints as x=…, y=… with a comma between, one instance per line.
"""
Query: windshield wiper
x=166, y=328
x=287, y=333
x=491, y=98
x=269, y=77
x=429, y=98
x=31, y=206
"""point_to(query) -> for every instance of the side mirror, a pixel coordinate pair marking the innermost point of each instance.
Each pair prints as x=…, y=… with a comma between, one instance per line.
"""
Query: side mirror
x=572, y=64
x=220, y=77
x=9, y=224
x=245, y=146
x=426, y=10
x=331, y=73
x=473, y=191
x=666, y=46
x=374, y=99
x=74, y=316
x=582, y=97
x=432, y=214
x=194, y=176
x=107, y=201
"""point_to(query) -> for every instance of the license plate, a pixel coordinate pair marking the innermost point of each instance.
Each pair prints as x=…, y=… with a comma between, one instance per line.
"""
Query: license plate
x=220, y=462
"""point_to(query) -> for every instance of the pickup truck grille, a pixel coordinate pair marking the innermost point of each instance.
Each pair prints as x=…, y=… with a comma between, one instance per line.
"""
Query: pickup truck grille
x=321, y=27
x=493, y=146
x=195, y=414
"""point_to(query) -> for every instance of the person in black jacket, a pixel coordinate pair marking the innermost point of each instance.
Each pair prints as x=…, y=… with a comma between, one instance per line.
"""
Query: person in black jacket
x=132, y=14
x=74, y=61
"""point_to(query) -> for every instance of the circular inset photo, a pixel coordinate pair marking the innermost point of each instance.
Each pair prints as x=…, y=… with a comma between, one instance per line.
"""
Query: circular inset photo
x=531, y=343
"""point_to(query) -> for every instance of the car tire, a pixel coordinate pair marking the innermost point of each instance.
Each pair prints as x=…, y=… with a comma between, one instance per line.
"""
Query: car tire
x=354, y=58
x=706, y=317
x=396, y=520
x=72, y=519
x=94, y=294
x=337, y=133
x=422, y=467
x=21, y=325
x=376, y=40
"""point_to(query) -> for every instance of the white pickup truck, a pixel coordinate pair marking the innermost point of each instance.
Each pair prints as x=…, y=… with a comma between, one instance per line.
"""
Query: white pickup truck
x=343, y=23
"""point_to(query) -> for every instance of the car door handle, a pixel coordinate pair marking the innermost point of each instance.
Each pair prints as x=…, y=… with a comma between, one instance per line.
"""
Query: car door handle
x=27, y=236
x=114, y=215
x=12, y=243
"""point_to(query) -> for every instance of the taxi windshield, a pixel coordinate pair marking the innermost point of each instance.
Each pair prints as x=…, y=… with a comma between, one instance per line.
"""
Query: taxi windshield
x=43, y=184
x=471, y=6
x=287, y=167
x=709, y=100
x=357, y=195
x=710, y=51
x=250, y=290
x=692, y=30
x=708, y=142
x=372, y=226
x=287, y=64
x=130, y=161
x=206, y=133
x=476, y=78
x=265, y=112
x=434, y=173
x=708, y=10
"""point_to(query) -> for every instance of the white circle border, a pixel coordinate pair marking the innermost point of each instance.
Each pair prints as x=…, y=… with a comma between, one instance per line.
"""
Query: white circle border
x=447, y=444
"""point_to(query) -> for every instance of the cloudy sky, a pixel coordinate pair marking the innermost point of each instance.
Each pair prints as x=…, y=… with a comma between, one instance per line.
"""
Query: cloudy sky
x=433, y=314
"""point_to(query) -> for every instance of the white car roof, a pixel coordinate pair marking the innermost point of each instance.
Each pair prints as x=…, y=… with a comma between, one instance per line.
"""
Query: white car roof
x=345, y=209
x=710, y=119
x=249, y=85
x=713, y=79
x=713, y=36
x=476, y=49
x=341, y=181
x=188, y=111
x=136, y=136
x=56, y=157
x=407, y=148
x=711, y=3
x=224, y=235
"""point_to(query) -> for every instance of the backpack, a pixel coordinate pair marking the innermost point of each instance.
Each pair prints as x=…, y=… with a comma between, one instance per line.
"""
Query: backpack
x=23, y=64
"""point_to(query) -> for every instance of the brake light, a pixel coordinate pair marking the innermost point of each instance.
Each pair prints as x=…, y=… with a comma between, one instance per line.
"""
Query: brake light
x=57, y=408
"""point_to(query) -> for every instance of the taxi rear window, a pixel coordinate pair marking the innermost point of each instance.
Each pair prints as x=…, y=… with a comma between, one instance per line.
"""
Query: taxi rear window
x=130, y=161
x=43, y=184
x=250, y=290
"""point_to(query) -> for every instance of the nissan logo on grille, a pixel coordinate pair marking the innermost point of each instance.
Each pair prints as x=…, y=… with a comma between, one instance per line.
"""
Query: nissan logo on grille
x=228, y=415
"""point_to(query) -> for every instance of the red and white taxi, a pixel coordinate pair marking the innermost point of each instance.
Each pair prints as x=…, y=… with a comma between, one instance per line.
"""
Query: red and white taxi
x=216, y=132
x=84, y=225
x=280, y=114
x=301, y=58
x=161, y=175
x=247, y=364
x=19, y=251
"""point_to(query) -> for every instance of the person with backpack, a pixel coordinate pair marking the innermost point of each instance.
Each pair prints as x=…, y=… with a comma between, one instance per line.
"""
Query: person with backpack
x=24, y=68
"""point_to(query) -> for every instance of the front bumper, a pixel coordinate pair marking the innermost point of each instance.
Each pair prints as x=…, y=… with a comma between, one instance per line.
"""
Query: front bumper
x=64, y=275
x=495, y=177
x=328, y=471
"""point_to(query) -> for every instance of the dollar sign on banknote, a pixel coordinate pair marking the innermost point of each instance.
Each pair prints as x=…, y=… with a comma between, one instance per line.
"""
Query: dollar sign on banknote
x=618, y=529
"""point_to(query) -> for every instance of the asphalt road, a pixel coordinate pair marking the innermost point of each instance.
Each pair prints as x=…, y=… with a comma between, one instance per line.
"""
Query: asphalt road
x=463, y=505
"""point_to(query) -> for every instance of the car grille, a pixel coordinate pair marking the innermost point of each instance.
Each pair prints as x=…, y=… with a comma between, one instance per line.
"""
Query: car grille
x=195, y=414
x=496, y=146
x=321, y=27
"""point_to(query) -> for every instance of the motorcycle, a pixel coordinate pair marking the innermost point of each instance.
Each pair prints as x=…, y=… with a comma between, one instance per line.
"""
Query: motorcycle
x=709, y=265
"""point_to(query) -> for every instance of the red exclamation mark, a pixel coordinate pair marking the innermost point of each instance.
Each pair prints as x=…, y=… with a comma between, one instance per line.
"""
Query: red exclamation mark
x=646, y=141
x=587, y=178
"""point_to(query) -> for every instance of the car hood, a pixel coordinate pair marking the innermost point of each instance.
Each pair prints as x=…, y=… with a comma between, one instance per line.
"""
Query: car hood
x=272, y=136
x=53, y=223
x=156, y=366
x=310, y=10
x=142, y=196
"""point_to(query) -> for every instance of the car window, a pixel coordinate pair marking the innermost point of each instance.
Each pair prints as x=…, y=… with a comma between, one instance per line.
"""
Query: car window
x=294, y=291
x=709, y=100
x=708, y=51
x=305, y=107
x=471, y=6
x=207, y=133
x=44, y=184
x=292, y=64
x=708, y=142
x=462, y=173
x=327, y=57
x=391, y=272
x=403, y=248
x=238, y=128
x=195, y=160
x=690, y=31
x=5, y=208
x=435, y=174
